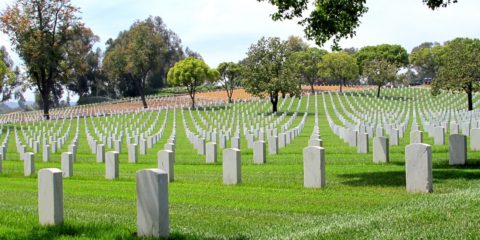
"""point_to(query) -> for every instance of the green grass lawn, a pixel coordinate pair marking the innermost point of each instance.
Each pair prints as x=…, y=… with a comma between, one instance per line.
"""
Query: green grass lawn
x=362, y=200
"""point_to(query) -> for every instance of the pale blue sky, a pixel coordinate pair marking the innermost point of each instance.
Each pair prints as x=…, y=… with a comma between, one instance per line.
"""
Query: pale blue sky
x=222, y=30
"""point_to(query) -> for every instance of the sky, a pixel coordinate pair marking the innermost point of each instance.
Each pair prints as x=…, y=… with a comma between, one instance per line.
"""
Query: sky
x=222, y=30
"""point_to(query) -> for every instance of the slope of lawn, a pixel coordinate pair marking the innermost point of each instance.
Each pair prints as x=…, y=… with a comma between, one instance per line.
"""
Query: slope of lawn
x=362, y=200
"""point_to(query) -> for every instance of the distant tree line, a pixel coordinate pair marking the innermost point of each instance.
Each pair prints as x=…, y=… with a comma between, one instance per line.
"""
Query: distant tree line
x=57, y=50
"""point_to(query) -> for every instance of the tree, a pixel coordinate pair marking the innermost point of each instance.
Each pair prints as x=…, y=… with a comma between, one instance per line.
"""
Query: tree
x=39, y=31
x=9, y=77
x=424, y=59
x=83, y=64
x=296, y=44
x=393, y=54
x=379, y=72
x=191, y=73
x=307, y=64
x=134, y=55
x=459, y=68
x=265, y=71
x=339, y=66
x=407, y=78
x=229, y=77
x=329, y=19
x=190, y=53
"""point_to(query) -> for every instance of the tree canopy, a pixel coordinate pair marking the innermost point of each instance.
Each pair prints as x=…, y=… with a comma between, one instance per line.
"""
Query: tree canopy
x=329, y=19
x=338, y=66
x=425, y=59
x=265, y=71
x=379, y=72
x=191, y=73
x=459, y=68
x=393, y=54
x=8, y=76
x=150, y=41
x=306, y=63
x=135, y=55
x=229, y=77
x=39, y=32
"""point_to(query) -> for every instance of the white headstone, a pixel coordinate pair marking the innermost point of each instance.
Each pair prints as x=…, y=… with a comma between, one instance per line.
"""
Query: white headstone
x=67, y=164
x=152, y=203
x=28, y=164
x=362, y=143
x=457, y=149
x=418, y=161
x=211, y=152
x=50, y=196
x=416, y=137
x=232, y=166
x=313, y=167
x=259, y=156
x=166, y=163
x=439, y=135
x=132, y=153
x=100, y=153
x=112, y=165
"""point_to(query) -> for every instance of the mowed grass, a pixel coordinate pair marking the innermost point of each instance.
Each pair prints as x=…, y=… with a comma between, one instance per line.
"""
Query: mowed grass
x=362, y=200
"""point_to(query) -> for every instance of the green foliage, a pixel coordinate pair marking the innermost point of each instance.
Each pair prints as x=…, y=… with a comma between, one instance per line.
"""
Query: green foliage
x=306, y=63
x=265, y=71
x=8, y=78
x=394, y=54
x=425, y=59
x=329, y=19
x=40, y=31
x=379, y=72
x=138, y=60
x=135, y=54
x=459, y=68
x=229, y=77
x=338, y=66
x=191, y=73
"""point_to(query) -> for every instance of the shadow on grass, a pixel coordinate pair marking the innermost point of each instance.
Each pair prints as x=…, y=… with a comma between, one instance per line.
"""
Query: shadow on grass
x=397, y=178
x=380, y=179
x=443, y=164
x=99, y=232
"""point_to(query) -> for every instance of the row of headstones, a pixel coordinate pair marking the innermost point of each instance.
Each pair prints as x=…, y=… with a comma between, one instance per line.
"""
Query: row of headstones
x=246, y=122
x=391, y=116
x=118, y=140
x=34, y=136
x=77, y=111
x=355, y=126
x=132, y=143
x=152, y=189
x=228, y=133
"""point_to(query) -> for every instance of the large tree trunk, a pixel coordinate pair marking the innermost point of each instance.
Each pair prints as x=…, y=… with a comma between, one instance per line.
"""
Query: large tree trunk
x=311, y=88
x=274, y=101
x=378, y=92
x=192, y=96
x=46, y=106
x=230, y=94
x=470, y=100
x=144, y=101
x=142, y=91
x=341, y=85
